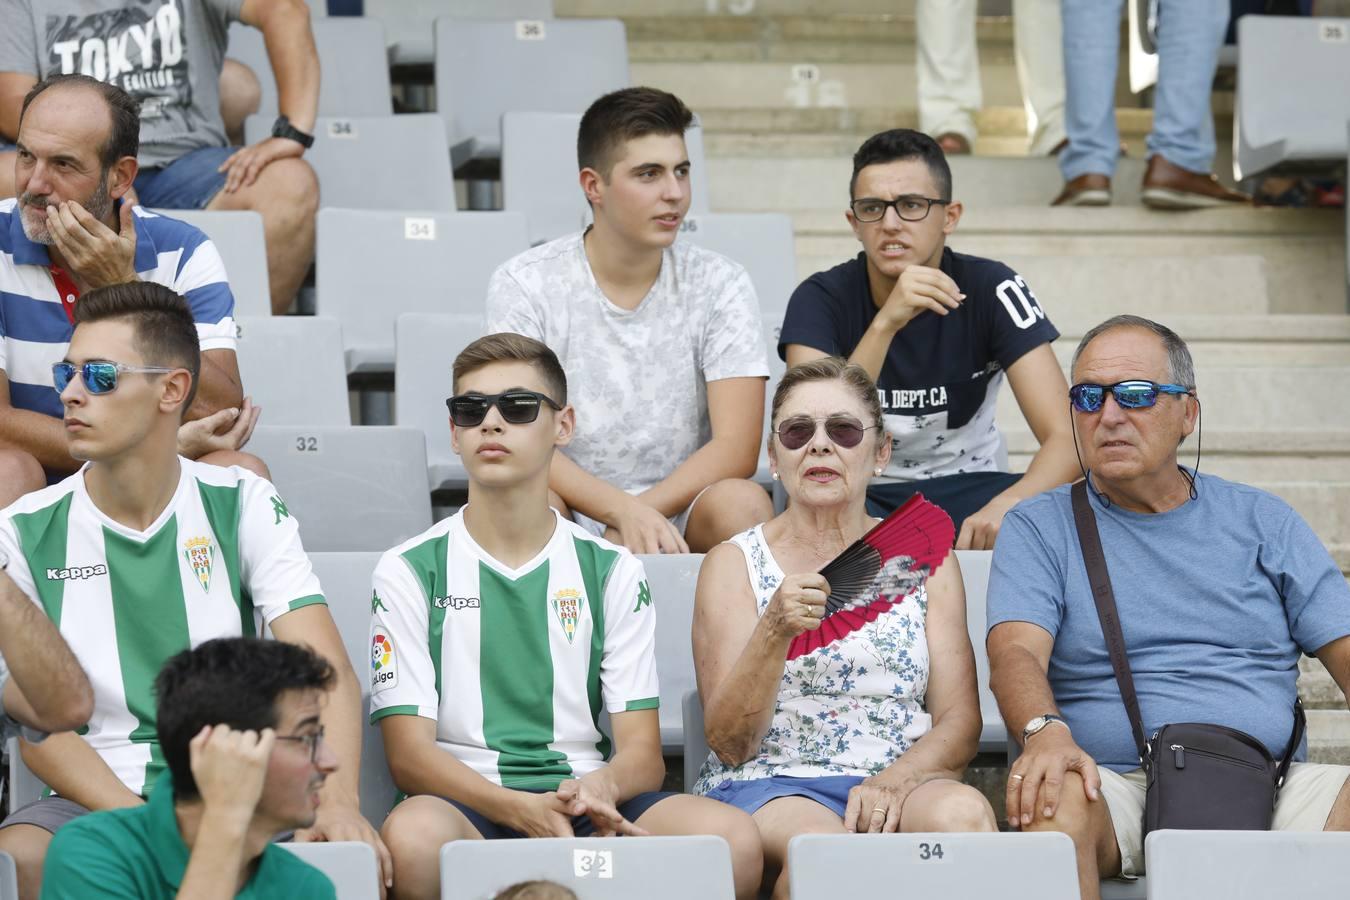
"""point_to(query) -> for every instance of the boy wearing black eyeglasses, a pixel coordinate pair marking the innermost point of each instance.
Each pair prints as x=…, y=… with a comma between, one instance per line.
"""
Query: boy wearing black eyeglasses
x=141, y=554
x=936, y=330
x=498, y=638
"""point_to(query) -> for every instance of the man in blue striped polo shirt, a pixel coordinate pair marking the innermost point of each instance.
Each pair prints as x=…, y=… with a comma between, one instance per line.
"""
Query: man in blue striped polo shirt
x=67, y=232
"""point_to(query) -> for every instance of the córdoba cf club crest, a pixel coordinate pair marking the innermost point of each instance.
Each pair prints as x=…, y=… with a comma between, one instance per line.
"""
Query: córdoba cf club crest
x=199, y=552
x=567, y=607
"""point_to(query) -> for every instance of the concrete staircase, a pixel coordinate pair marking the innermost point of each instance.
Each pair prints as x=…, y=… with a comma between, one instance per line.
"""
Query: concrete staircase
x=788, y=89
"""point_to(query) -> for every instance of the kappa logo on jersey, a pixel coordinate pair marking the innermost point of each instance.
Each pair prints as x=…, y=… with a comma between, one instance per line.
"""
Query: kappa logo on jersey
x=199, y=553
x=280, y=509
x=566, y=605
x=644, y=597
x=376, y=604
x=383, y=663
x=74, y=573
x=455, y=602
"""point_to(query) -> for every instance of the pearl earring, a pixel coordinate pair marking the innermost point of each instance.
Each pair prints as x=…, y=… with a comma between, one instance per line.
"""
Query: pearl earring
x=775, y=476
x=877, y=471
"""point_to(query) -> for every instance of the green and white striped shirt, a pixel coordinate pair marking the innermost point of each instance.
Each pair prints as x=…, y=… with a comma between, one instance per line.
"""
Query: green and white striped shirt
x=222, y=560
x=513, y=664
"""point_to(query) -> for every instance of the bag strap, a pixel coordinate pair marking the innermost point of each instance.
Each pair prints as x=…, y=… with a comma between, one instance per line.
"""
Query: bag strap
x=1100, y=580
x=1295, y=738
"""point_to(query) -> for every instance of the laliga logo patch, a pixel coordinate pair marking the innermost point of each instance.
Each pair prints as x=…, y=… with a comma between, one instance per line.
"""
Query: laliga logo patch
x=566, y=605
x=383, y=665
x=198, y=552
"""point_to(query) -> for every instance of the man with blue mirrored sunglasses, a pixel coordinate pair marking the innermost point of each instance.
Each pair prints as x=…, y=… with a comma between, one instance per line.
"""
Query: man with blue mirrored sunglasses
x=1219, y=587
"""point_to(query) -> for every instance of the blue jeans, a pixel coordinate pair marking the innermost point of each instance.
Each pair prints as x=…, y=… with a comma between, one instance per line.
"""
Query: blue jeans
x=1190, y=33
x=189, y=182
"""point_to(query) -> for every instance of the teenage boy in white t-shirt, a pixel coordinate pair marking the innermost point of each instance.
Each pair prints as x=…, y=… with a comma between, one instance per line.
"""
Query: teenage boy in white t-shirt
x=499, y=635
x=661, y=342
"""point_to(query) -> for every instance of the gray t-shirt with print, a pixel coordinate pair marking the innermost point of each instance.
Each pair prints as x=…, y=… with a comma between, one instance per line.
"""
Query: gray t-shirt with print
x=638, y=378
x=165, y=53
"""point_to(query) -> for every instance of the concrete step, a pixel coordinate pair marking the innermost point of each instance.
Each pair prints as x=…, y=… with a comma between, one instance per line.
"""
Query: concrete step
x=1316, y=686
x=1329, y=736
x=746, y=8
x=1219, y=341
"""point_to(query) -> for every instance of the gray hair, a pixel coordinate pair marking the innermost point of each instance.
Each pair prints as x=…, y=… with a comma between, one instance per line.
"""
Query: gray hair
x=1181, y=370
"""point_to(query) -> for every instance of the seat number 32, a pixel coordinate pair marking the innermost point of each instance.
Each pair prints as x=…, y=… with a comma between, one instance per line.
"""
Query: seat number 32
x=1020, y=302
x=929, y=852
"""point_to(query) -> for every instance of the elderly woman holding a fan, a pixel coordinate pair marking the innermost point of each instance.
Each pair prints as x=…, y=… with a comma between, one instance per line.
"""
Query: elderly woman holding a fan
x=848, y=705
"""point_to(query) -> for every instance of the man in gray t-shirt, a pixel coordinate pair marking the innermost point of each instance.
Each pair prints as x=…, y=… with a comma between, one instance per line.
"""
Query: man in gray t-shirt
x=169, y=54
x=1220, y=587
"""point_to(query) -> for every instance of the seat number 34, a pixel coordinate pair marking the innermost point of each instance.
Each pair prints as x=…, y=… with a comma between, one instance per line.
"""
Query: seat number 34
x=929, y=852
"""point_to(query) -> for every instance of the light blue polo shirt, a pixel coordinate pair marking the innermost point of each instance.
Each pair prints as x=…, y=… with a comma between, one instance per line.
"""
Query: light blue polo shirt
x=35, y=328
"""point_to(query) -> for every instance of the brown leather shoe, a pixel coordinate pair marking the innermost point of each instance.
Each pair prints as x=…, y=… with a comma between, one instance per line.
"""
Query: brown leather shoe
x=1167, y=186
x=1085, y=190
x=953, y=143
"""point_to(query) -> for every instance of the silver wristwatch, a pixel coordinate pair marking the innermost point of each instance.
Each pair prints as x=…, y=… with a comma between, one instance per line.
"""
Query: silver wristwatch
x=1038, y=724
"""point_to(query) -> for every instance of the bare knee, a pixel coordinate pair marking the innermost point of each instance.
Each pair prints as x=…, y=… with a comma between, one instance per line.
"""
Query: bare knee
x=726, y=508
x=20, y=473
x=1073, y=815
x=958, y=808
x=28, y=845
x=240, y=97
x=287, y=187
x=227, y=458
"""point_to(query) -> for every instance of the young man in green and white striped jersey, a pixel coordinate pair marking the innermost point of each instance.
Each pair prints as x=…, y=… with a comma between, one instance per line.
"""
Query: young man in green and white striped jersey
x=141, y=554
x=499, y=636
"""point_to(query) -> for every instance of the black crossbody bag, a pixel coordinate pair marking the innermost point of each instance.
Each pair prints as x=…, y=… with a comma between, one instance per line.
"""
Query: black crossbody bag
x=1199, y=776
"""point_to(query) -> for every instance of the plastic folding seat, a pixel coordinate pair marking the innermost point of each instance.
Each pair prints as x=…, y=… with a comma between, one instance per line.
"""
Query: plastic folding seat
x=539, y=172
x=773, y=327
x=353, y=63
x=1223, y=865
x=654, y=868
x=975, y=573
x=292, y=367
x=346, y=581
x=1281, y=117
x=829, y=866
x=376, y=162
x=408, y=23
x=427, y=347
x=485, y=68
x=672, y=578
x=238, y=238
x=695, y=739
x=371, y=267
x=761, y=242
x=350, y=865
x=349, y=488
x=9, y=878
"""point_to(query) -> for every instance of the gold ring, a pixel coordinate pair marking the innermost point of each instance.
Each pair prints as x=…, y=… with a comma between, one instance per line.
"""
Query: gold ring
x=1018, y=777
x=879, y=809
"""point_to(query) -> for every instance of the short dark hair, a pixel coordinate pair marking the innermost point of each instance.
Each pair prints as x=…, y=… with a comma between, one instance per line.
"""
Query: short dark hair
x=1181, y=368
x=227, y=681
x=166, y=334
x=507, y=347
x=124, y=135
x=624, y=115
x=899, y=144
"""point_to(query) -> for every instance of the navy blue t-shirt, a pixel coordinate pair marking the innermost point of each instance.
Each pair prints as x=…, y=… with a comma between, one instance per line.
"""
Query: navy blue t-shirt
x=939, y=383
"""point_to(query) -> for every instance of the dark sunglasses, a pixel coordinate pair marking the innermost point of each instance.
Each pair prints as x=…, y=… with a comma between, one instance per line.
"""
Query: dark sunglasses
x=312, y=740
x=1135, y=394
x=99, y=377
x=518, y=407
x=845, y=431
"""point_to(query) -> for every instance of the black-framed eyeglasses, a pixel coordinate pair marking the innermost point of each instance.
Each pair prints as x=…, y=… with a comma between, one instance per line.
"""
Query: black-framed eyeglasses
x=518, y=407
x=910, y=207
x=312, y=740
x=99, y=377
x=798, y=431
x=1133, y=394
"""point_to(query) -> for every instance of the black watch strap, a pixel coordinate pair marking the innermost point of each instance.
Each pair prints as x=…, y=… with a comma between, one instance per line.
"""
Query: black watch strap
x=283, y=128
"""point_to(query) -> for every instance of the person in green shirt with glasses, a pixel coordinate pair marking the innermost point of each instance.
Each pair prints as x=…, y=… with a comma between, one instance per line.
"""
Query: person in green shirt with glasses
x=238, y=722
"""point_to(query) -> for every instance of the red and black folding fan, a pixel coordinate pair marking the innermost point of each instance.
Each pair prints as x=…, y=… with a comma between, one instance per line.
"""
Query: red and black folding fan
x=878, y=569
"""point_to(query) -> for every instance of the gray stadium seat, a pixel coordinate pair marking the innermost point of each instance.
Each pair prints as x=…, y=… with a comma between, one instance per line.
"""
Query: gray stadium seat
x=427, y=263
x=408, y=23
x=975, y=573
x=772, y=320
x=653, y=868
x=486, y=68
x=9, y=878
x=761, y=242
x=353, y=62
x=346, y=580
x=292, y=367
x=1238, y=865
x=1282, y=117
x=539, y=172
x=829, y=866
x=672, y=578
x=350, y=865
x=427, y=347
x=349, y=488
x=238, y=236
x=377, y=162
x=695, y=738
x=24, y=786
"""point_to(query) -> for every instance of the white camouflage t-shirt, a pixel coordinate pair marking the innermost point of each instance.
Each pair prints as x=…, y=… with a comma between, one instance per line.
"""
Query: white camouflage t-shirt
x=638, y=378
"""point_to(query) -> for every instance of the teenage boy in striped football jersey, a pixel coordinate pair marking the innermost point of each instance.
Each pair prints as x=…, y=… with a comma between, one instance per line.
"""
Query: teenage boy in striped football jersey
x=499, y=635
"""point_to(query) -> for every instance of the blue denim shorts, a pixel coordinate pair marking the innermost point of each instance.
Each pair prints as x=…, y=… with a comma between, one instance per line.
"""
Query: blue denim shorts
x=189, y=182
x=582, y=826
x=830, y=791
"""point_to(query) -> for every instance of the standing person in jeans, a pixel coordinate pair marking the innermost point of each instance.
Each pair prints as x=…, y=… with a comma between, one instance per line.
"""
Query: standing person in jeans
x=1181, y=144
x=936, y=330
x=1219, y=589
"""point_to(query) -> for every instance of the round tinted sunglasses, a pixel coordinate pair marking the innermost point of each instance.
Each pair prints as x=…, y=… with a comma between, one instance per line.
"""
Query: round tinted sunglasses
x=99, y=377
x=1136, y=394
x=798, y=431
x=517, y=407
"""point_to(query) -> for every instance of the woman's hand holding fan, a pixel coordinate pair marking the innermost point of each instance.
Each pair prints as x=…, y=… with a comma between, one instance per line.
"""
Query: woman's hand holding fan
x=797, y=606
